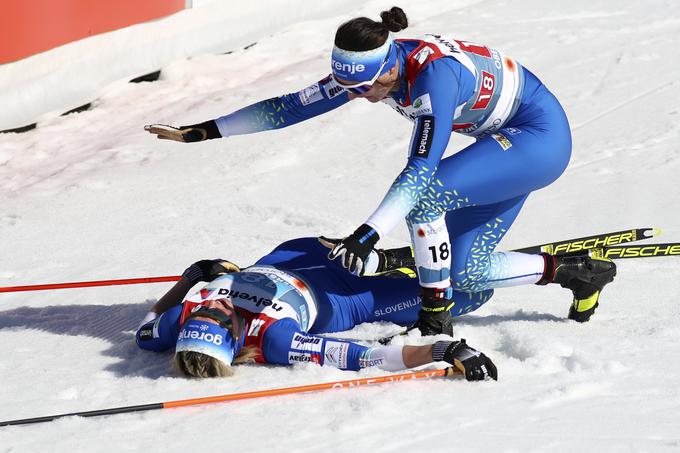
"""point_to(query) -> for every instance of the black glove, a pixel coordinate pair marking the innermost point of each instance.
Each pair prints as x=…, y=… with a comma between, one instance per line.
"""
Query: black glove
x=392, y=263
x=208, y=270
x=355, y=248
x=186, y=134
x=474, y=364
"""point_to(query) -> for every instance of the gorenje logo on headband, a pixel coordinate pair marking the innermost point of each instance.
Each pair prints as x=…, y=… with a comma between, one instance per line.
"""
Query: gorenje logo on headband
x=352, y=68
x=201, y=336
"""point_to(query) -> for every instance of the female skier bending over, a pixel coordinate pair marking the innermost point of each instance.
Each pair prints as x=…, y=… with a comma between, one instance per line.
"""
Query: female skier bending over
x=458, y=208
x=271, y=312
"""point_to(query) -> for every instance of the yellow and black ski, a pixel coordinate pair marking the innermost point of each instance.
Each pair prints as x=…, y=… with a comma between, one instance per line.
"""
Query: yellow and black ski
x=636, y=251
x=609, y=242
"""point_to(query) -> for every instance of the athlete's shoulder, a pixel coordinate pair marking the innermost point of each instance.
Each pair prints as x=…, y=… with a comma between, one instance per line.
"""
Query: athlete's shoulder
x=429, y=61
x=273, y=339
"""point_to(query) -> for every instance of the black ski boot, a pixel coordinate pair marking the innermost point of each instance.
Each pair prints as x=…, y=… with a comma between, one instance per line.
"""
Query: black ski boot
x=584, y=276
x=434, y=316
x=396, y=263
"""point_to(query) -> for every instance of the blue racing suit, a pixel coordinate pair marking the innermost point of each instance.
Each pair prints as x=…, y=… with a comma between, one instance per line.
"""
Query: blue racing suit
x=460, y=207
x=295, y=293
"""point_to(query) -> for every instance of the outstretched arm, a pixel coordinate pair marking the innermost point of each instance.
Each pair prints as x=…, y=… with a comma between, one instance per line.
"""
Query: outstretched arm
x=274, y=113
x=285, y=344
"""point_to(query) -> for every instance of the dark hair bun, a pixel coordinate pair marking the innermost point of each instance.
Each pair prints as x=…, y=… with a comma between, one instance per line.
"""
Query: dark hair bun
x=394, y=19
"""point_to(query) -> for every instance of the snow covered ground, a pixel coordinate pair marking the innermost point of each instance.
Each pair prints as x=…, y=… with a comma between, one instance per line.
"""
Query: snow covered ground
x=92, y=196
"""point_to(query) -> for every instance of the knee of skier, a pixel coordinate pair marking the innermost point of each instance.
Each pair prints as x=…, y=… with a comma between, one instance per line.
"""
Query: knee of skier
x=425, y=211
x=471, y=277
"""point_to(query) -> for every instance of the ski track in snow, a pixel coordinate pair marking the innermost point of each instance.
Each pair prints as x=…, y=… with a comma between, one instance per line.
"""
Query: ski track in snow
x=91, y=196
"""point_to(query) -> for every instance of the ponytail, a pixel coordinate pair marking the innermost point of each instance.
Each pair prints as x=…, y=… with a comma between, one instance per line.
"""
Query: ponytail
x=363, y=33
x=395, y=19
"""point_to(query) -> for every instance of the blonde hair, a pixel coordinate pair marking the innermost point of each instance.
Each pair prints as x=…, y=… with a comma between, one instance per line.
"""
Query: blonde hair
x=196, y=364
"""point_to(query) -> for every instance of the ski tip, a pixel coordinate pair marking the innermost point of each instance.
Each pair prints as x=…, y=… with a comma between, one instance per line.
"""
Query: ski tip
x=646, y=233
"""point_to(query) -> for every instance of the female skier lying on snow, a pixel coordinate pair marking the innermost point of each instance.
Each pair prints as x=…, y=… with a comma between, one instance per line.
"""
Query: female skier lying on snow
x=271, y=312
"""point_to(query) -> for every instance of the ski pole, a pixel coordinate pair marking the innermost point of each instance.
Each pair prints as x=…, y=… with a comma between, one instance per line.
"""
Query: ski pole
x=248, y=395
x=122, y=281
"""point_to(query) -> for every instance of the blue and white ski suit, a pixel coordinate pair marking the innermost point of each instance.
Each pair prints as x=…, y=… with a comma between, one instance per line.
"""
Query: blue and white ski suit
x=458, y=208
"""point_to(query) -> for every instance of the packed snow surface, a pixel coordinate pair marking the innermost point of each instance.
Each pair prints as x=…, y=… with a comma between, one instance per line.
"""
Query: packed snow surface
x=91, y=196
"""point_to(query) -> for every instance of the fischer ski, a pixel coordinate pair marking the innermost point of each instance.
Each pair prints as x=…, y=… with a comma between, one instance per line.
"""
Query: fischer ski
x=636, y=251
x=598, y=241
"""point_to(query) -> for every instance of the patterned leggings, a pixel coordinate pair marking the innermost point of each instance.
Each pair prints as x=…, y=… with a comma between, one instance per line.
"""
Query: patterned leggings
x=476, y=195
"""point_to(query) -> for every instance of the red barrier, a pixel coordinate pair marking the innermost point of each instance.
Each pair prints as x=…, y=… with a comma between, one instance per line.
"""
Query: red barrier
x=28, y=27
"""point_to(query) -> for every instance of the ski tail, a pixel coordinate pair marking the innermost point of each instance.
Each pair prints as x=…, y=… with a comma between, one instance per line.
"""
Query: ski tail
x=598, y=241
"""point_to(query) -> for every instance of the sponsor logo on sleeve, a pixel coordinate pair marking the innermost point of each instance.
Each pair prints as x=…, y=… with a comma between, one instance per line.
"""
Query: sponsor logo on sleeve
x=423, y=136
x=336, y=354
x=502, y=140
x=422, y=55
x=146, y=334
x=422, y=105
x=366, y=361
x=332, y=89
x=310, y=94
x=303, y=357
x=306, y=343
